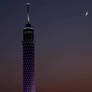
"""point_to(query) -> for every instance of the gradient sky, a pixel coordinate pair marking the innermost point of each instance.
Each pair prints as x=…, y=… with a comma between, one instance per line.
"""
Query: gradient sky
x=63, y=44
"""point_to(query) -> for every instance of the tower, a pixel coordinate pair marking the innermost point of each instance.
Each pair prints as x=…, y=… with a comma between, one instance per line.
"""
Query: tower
x=28, y=55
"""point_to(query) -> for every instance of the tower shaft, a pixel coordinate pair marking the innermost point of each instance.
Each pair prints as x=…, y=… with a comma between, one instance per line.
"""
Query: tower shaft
x=28, y=57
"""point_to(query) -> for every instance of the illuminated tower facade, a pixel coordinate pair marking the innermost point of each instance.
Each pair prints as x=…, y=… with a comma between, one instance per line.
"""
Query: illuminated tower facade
x=28, y=55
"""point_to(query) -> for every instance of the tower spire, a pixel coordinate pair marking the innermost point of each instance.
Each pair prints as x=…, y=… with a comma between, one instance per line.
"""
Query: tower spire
x=28, y=14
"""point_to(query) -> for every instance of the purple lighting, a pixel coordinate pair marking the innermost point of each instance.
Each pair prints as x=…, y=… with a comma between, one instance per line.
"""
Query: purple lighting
x=28, y=58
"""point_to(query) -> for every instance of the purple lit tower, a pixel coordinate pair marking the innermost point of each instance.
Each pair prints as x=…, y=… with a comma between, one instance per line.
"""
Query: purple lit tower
x=28, y=55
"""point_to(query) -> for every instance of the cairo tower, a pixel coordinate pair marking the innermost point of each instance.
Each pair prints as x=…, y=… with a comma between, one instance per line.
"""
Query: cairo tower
x=28, y=55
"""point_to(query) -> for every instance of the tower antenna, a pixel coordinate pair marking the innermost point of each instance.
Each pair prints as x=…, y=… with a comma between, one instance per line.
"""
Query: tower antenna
x=28, y=14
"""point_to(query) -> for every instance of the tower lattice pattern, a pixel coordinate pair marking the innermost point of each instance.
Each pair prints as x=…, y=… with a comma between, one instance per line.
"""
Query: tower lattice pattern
x=28, y=59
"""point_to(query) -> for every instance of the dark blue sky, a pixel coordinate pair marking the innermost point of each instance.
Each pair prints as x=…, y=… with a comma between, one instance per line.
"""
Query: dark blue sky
x=63, y=44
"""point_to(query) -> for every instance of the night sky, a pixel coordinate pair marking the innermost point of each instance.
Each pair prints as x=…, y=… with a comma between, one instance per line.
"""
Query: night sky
x=63, y=44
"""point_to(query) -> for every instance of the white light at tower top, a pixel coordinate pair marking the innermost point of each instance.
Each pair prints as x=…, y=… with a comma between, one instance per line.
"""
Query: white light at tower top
x=28, y=15
x=86, y=14
x=27, y=3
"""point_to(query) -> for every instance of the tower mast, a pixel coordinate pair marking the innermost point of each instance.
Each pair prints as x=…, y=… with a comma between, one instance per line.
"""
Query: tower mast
x=28, y=15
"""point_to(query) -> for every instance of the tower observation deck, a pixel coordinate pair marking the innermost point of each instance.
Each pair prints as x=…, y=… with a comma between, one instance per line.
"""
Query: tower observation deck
x=28, y=55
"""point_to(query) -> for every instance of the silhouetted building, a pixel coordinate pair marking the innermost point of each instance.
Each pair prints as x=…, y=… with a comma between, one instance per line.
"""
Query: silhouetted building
x=28, y=55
